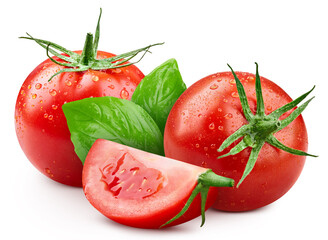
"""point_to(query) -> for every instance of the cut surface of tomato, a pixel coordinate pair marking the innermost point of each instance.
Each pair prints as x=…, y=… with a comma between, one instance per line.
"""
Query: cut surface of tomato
x=138, y=188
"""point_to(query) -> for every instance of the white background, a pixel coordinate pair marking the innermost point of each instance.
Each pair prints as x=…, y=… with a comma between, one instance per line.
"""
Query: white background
x=287, y=38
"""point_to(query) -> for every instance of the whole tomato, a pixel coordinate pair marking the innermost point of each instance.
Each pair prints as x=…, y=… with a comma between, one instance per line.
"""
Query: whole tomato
x=209, y=113
x=40, y=122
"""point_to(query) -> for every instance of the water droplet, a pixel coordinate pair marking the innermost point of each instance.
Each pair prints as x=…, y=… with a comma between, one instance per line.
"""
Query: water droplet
x=111, y=86
x=213, y=145
x=219, y=109
x=225, y=100
x=204, y=164
x=219, y=80
x=48, y=172
x=34, y=96
x=24, y=104
x=124, y=94
x=95, y=78
x=214, y=86
x=29, y=87
x=232, y=81
x=220, y=128
x=200, y=115
x=22, y=92
x=116, y=70
x=228, y=116
x=54, y=107
x=211, y=126
x=149, y=190
x=50, y=117
x=45, y=115
x=38, y=86
x=269, y=108
x=197, y=145
x=53, y=92
x=251, y=78
x=78, y=86
x=235, y=94
x=68, y=83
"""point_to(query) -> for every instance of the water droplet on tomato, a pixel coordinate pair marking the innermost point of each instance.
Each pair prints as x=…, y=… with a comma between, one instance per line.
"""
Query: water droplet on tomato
x=213, y=145
x=38, y=86
x=124, y=94
x=269, y=108
x=111, y=86
x=45, y=115
x=232, y=81
x=235, y=94
x=48, y=172
x=34, y=96
x=219, y=109
x=54, y=107
x=211, y=126
x=219, y=80
x=225, y=100
x=50, y=117
x=117, y=70
x=53, y=92
x=197, y=145
x=228, y=116
x=68, y=83
x=204, y=164
x=220, y=128
x=29, y=87
x=251, y=78
x=200, y=115
x=95, y=78
x=78, y=86
x=214, y=86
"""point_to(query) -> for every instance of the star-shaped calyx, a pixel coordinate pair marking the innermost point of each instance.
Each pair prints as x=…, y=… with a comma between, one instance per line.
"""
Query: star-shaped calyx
x=261, y=127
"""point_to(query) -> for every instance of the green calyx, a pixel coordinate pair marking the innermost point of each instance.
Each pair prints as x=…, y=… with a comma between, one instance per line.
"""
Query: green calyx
x=205, y=181
x=261, y=127
x=74, y=62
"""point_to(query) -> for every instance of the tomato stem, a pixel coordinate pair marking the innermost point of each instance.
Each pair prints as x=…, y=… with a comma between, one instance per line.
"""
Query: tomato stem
x=261, y=127
x=88, y=54
x=88, y=59
x=205, y=181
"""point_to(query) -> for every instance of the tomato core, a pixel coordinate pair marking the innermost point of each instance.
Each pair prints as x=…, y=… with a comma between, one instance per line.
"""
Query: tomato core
x=128, y=178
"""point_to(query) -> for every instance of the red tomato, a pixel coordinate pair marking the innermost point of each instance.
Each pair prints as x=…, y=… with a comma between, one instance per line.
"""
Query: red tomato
x=210, y=111
x=138, y=188
x=40, y=122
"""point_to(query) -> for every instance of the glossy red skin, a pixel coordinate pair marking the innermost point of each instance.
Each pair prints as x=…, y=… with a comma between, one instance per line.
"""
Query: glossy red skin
x=210, y=111
x=133, y=209
x=40, y=122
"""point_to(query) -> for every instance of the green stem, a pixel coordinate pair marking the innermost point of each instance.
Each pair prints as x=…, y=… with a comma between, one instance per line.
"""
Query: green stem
x=88, y=53
x=205, y=181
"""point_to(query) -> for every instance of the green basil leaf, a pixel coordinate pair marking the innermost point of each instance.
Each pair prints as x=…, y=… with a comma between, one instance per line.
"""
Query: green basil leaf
x=114, y=119
x=159, y=90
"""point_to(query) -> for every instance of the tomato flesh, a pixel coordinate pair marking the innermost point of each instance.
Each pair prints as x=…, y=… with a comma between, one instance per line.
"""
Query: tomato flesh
x=40, y=122
x=140, y=189
x=210, y=111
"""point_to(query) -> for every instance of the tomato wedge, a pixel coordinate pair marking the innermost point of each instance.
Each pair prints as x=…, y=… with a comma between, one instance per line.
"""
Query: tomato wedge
x=144, y=190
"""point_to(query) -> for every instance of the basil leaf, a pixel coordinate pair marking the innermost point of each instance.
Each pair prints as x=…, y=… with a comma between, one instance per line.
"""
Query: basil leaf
x=114, y=119
x=159, y=90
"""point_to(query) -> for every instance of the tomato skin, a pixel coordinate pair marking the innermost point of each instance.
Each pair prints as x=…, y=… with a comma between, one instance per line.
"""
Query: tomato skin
x=40, y=122
x=210, y=111
x=151, y=211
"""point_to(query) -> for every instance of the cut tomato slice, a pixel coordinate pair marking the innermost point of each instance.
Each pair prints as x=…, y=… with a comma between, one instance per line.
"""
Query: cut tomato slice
x=144, y=190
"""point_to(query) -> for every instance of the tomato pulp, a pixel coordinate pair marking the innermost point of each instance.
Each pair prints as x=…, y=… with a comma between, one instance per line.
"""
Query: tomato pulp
x=40, y=122
x=210, y=111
